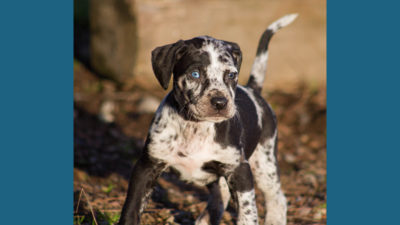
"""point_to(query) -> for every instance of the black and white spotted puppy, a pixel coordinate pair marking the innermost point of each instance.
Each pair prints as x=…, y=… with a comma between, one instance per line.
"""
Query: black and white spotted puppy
x=212, y=131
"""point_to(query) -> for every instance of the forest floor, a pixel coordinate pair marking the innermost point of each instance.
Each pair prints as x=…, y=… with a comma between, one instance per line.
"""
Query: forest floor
x=104, y=153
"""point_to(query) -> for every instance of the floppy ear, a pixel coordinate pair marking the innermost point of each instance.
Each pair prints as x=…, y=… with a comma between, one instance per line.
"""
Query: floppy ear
x=163, y=60
x=236, y=54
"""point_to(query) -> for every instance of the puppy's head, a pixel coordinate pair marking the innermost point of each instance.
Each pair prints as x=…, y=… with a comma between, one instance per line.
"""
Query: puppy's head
x=205, y=76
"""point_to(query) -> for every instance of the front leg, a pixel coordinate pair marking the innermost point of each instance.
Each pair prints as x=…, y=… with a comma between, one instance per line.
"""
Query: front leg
x=143, y=177
x=217, y=203
x=241, y=186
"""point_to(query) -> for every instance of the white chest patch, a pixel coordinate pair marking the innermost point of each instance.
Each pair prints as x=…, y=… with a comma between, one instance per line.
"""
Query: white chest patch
x=187, y=146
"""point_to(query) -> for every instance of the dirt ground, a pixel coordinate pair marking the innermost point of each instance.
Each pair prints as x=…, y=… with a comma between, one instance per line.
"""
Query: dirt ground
x=104, y=152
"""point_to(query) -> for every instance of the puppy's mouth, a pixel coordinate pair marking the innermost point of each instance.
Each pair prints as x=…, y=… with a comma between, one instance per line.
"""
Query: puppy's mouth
x=216, y=119
x=211, y=115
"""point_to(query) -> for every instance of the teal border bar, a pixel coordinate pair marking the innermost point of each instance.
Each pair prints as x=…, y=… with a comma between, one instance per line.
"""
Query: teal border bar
x=36, y=112
x=363, y=112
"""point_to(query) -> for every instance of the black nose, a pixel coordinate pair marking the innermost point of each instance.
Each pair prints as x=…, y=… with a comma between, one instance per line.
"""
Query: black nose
x=219, y=102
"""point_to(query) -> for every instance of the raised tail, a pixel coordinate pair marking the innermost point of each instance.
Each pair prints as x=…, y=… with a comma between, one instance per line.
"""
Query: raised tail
x=259, y=68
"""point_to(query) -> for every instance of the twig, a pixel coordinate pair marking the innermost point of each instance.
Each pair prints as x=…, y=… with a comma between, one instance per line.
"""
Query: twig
x=90, y=206
x=79, y=200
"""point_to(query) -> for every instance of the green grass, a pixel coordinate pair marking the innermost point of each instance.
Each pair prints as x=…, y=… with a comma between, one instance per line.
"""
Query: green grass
x=322, y=206
x=108, y=189
x=111, y=218
x=78, y=220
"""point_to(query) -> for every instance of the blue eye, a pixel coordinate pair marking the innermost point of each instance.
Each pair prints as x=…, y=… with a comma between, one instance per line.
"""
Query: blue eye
x=232, y=75
x=195, y=74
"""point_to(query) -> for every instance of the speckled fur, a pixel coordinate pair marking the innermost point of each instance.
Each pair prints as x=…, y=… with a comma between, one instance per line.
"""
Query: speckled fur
x=264, y=166
x=225, y=148
x=187, y=145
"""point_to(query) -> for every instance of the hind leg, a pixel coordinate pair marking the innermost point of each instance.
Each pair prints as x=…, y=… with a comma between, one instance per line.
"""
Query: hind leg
x=217, y=203
x=266, y=174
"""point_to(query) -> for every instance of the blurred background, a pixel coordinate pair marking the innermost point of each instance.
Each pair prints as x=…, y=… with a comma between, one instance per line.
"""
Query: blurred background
x=116, y=94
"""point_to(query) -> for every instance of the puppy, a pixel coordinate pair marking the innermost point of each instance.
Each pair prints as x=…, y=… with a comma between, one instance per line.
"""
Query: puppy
x=212, y=131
